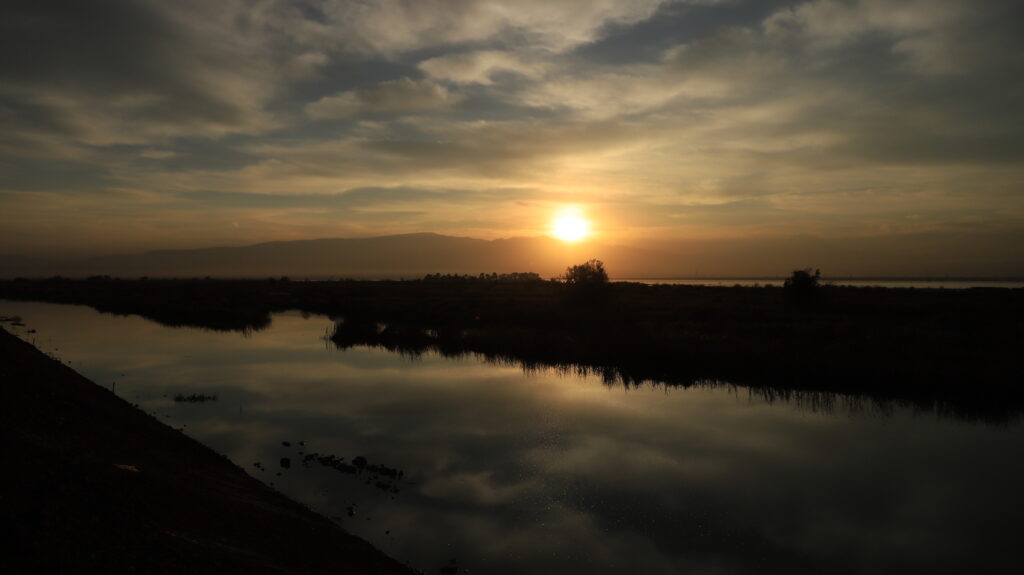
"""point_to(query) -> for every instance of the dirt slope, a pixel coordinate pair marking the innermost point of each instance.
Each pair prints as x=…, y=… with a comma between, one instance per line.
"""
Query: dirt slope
x=91, y=484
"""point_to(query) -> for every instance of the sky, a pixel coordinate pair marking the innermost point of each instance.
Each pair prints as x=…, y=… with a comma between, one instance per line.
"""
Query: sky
x=882, y=128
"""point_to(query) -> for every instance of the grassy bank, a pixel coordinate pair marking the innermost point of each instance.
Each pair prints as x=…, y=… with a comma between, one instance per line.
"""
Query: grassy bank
x=954, y=350
x=94, y=485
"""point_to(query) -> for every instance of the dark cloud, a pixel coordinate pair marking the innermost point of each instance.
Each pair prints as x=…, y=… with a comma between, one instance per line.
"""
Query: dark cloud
x=393, y=97
x=922, y=90
x=671, y=25
x=85, y=44
x=115, y=72
x=355, y=198
x=40, y=173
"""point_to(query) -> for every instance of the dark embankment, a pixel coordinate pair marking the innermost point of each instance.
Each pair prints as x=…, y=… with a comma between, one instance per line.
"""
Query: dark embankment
x=951, y=350
x=93, y=485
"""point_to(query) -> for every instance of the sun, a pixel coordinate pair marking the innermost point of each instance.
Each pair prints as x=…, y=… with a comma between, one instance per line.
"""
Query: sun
x=569, y=226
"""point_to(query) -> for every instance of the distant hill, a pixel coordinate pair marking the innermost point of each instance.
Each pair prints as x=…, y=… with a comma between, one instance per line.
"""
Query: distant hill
x=398, y=256
x=934, y=255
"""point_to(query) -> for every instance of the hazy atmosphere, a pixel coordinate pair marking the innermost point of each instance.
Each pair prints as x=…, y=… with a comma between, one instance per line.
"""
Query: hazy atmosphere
x=868, y=137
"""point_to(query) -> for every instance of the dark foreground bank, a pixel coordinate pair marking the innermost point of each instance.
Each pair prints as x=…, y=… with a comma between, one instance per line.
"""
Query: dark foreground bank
x=94, y=485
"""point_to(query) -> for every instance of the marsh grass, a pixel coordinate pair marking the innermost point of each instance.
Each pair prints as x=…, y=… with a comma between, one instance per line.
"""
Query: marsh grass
x=194, y=398
x=957, y=349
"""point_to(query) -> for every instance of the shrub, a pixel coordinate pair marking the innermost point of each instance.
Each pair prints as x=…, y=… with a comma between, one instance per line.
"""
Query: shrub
x=802, y=287
x=587, y=284
x=591, y=273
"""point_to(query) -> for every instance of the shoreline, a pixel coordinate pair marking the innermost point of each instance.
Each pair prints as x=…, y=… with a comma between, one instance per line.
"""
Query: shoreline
x=952, y=351
x=97, y=485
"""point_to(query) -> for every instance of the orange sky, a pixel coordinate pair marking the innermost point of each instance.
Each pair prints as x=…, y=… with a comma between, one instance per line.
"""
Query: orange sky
x=863, y=130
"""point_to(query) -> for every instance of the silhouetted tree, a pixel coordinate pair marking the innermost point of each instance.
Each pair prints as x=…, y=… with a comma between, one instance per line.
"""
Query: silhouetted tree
x=587, y=284
x=591, y=273
x=802, y=287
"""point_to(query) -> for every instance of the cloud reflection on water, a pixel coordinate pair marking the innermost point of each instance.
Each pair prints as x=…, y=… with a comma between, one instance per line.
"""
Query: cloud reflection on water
x=511, y=472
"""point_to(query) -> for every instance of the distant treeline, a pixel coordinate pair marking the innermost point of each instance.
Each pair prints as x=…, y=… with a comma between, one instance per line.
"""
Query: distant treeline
x=484, y=277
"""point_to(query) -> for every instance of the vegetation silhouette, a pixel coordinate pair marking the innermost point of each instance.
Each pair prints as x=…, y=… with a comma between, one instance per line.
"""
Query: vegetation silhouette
x=590, y=273
x=194, y=397
x=587, y=283
x=953, y=351
x=482, y=277
x=803, y=287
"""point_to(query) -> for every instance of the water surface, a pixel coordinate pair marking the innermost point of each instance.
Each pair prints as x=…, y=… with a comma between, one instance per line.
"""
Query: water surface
x=846, y=282
x=513, y=472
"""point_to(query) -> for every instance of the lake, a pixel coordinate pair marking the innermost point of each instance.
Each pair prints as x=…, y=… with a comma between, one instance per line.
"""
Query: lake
x=845, y=282
x=505, y=471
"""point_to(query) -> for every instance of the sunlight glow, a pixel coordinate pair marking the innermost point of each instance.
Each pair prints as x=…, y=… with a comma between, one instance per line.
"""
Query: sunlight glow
x=569, y=226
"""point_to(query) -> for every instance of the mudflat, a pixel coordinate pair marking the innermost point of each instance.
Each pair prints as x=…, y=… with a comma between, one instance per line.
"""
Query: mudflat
x=93, y=484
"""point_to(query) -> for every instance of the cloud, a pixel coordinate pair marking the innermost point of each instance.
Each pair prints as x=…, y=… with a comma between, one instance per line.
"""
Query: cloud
x=620, y=94
x=402, y=96
x=844, y=77
x=129, y=72
x=434, y=153
x=371, y=198
x=153, y=154
x=667, y=118
x=391, y=27
x=478, y=67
